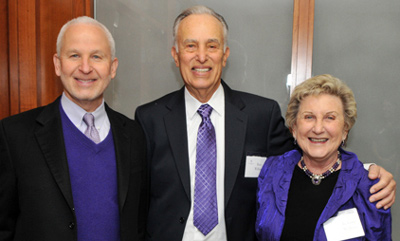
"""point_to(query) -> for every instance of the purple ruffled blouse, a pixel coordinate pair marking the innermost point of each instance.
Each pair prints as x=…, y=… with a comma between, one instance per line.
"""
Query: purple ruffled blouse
x=351, y=191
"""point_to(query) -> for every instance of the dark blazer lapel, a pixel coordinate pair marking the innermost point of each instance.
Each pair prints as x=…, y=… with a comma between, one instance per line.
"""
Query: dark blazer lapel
x=49, y=135
x=175, y=122
x=122, y=154
x=235, y=134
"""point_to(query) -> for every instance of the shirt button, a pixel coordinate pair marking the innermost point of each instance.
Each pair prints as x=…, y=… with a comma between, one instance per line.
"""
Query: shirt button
x=71, y=225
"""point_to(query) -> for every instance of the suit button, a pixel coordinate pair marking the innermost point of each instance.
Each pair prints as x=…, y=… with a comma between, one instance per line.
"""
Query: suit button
x=71, y=225
x=182, y=220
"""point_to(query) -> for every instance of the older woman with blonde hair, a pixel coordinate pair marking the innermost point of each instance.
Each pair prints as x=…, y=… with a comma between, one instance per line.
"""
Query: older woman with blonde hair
x=319, y=191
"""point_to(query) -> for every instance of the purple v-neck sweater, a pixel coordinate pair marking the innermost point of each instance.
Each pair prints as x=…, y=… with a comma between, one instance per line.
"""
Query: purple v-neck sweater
x=93, y=175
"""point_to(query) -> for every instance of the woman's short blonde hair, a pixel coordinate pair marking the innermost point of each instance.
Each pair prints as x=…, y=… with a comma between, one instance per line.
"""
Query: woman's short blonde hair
x=323, y=84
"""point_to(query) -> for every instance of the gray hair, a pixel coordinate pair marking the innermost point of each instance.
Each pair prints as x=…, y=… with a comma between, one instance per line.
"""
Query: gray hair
x=200, y=9
x=85, y=20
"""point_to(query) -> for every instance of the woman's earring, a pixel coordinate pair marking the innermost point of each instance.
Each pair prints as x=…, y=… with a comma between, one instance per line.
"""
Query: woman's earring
x=343, y=143
x=295, y=142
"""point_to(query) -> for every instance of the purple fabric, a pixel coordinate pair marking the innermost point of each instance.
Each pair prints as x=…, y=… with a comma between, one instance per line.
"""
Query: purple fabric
x=351, y=190
x=93, y=175
x=205, y=214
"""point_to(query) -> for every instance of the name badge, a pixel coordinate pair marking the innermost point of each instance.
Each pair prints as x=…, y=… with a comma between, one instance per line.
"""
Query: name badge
x=253, y=166
x=345, y=225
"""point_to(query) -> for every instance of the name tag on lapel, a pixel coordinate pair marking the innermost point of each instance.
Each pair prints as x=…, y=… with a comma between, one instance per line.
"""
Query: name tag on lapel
x=345, y=225
x=253, y=166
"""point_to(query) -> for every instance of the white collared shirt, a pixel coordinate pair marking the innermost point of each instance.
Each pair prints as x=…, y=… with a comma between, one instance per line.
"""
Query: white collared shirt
x=75, y=114
x=193, y=120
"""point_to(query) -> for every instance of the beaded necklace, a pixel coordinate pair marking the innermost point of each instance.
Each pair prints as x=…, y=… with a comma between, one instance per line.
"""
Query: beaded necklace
x=317, y=178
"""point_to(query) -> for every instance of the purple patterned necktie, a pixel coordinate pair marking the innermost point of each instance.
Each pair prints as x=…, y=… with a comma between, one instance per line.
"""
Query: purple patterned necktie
x=91, y=131
x=205, y=214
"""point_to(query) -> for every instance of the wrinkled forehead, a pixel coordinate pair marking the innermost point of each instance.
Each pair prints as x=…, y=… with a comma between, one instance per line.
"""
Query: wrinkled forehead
x=201, y=24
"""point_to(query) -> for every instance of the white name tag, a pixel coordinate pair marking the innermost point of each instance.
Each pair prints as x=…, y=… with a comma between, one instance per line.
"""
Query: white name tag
x=253, y=166
x=345, y=225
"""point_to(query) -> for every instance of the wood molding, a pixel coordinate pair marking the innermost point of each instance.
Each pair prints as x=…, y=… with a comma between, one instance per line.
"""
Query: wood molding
x=302, y=45
x=4, y=63
x=27, y=47
x=13, y=56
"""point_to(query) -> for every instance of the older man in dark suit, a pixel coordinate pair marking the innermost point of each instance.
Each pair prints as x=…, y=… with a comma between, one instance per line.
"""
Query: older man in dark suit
x=75, y=169
x=207, y=142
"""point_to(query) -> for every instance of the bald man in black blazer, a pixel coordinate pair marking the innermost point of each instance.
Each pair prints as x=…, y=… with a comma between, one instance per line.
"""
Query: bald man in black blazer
x=48, y=190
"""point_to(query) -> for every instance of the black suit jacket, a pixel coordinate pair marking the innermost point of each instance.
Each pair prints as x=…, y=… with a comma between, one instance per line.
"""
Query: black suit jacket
x=253, y=126
x=35, y=192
